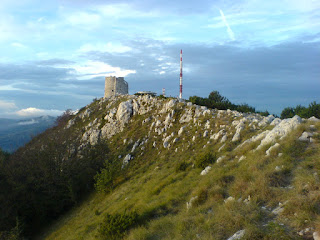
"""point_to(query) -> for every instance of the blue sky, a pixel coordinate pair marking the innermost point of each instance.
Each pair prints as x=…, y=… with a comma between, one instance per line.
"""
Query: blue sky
x=55, y=54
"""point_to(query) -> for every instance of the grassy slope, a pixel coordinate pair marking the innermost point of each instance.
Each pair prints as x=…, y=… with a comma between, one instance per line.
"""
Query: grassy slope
x=154, y=188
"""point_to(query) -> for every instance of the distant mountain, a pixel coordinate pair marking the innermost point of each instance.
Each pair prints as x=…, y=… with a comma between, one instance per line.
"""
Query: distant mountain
x=15, y=133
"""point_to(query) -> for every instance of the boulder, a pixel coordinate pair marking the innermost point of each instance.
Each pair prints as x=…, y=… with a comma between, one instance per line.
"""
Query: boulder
x=305, y=137
x=94, y=136
x=316, y=236
x=124, y=111
x=275, y=122
x=314, y=119
x=281, y=130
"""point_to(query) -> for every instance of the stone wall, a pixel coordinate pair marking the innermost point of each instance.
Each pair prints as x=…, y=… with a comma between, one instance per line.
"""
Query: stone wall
x=115, y=86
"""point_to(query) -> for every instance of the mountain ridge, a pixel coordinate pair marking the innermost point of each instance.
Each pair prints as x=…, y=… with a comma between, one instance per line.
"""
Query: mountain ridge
x=177, y=170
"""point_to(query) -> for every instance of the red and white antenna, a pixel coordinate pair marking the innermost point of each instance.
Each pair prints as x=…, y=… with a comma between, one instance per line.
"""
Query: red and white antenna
x=180, y=96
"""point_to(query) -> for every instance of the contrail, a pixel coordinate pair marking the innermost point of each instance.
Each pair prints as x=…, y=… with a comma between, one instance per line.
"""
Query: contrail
x=230, y=32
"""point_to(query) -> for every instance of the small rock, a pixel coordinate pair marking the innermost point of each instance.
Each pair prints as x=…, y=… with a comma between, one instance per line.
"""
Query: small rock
x=126, y=160
x=241, y=158
x=181, y=130
x=305, y=137
x=223, y=139
x=175, y=140
x=229, y=199
x=189, y=204
x=205, y=171
x=205, y=134
x=314, y=119
x=278, y=210
x=316, y=236
x=220, y=159
x=238, y=235
x=272, y=148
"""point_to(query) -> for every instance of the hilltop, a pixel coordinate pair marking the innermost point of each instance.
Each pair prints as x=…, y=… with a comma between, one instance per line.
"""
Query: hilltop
x=169, y=169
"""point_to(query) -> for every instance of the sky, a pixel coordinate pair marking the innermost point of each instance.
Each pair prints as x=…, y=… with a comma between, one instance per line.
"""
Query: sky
x=55, y=54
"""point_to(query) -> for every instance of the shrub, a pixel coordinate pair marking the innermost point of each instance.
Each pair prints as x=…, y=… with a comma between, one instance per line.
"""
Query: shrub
x=116, y=225
x=105, y=179
x=287, y=113
x=305, y=112
x=182, y=166
x=205, y=159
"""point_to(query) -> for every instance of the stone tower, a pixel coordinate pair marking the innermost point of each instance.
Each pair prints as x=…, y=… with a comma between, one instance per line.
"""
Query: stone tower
x=115, y=86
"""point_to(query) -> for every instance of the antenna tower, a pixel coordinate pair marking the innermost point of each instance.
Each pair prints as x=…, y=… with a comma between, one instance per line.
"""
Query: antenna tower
x=180, y=95
x=164, y=92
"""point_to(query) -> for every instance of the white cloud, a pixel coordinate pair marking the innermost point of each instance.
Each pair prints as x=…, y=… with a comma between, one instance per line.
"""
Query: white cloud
x=105, y=47
x=7, y=105
x=32, y=121
x=18, y=45
x=124, y=11
x=35, y=112
x=98, y=69
x=84, y=18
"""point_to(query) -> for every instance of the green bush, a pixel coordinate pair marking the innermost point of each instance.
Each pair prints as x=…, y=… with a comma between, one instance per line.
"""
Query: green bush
x=205, y=159
x=182, y=166
x=105, y=179
x=305, y=112
x=216, y=100
x=116, y=225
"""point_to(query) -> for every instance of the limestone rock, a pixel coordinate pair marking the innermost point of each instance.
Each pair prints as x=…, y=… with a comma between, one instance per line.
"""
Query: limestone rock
x=205, y=134
x=281, y=130
x=205, y=171
x=181, y=130
x=266, y=120
x=186, y=117
x=275, y=122
x=223, y=139
x=189, y=204
x=126, y=160
x=229, y=199
x=124, y=111
x=238, y=235
x=305, y=137
x=135, y=145
x=94, y=136
x=278, y=210
x=314, y=119
x=316, y=236
x=272, y=148
x=220, y=159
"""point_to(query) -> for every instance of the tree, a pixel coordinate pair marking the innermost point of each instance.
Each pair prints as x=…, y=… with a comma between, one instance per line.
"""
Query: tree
x=287, y=113
x=216, y=97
